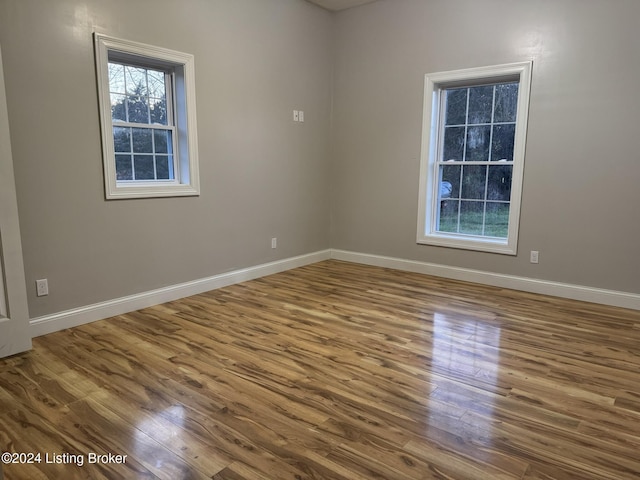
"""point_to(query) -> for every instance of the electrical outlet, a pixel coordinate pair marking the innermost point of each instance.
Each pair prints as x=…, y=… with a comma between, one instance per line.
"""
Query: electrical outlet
x=301, y=116
x=534, y=258
x=42, y=287
x=274, y=242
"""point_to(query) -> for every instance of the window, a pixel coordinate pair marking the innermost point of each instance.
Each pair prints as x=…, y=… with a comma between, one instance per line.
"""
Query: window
x=474, y=132
x=148, y=120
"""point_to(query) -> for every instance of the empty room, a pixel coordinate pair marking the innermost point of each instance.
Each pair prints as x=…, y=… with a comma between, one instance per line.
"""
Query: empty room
x=319, y=239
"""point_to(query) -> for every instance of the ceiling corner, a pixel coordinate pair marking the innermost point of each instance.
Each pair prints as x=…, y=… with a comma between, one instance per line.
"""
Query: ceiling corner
x=337, y=5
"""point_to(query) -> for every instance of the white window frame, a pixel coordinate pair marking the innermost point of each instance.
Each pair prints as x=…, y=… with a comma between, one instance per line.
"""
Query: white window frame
x=182, y=96
x=428, y=206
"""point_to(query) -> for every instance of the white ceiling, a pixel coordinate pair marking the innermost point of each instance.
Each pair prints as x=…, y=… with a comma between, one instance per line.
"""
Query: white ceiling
x=336, y=5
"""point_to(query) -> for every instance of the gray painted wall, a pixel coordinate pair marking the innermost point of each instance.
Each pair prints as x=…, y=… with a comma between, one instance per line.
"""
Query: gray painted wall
x=262, y=175
x=581, y=197
x=348, y=177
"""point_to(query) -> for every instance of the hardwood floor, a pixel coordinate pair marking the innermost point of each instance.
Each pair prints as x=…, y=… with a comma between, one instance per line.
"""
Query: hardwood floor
x=334, y=371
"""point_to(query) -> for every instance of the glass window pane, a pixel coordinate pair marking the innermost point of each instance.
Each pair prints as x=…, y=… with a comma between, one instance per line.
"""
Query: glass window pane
x=121, y=139
x=474, y=181
x=162, y=167
x=480, y=103
x=453, y=143
x=116, y=78
x=158, y=110
x=171, y=168
x=478, y=140
x=143, y=167
x=123, y=167
x=136, y=80
x=456, y=113
x=471, y=217
x=142, y=140
x=118, y=109
x=499, y=182
x=506, y=102
x=450, y=181
x=497, y=220
x=156, y=83
x=503, y=142
x=449, y=216
x=137, y=109
x=160, y=141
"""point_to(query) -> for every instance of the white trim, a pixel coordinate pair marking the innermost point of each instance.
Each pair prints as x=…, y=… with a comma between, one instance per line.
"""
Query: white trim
x=544, y=287
x=98, y=311
x=90, y=313
x=3, y=293
x=14, y=312
x=186, y=137
x=429, y=178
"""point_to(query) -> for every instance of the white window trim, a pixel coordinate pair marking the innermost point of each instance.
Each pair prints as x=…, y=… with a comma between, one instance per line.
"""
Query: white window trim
x=187, y=181
x=428, y=205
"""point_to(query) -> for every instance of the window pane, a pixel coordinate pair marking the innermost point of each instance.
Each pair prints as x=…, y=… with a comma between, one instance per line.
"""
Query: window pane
x=480, y=103
x=121, y=139
x=474, y=181
x=163, y=141
x=506, y=102
x=118, y=109
x=171, y=168
x=156, y=83
x=449, y=216
x=162, y=167
x=499, y=182
x=142, y=140
x=471, y=217
x=478, y=140
x=450, y=180
x=116, y=78
x=453, y=143
x=143, y=167
x=158, y=110
x=503, y=142
x=136, y=80
x=137, y=109
x=497, y=220
x=123, y=167
x=456, y=106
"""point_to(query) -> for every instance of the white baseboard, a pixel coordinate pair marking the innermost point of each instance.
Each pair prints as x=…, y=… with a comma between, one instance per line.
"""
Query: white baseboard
x=556, y=289
x=98, y=311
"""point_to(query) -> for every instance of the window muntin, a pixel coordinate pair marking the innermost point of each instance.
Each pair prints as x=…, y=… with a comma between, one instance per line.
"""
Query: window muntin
x=474, y=132
x=148, y=119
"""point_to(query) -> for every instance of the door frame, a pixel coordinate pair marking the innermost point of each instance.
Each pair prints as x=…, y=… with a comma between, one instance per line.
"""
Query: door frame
x=15, y=336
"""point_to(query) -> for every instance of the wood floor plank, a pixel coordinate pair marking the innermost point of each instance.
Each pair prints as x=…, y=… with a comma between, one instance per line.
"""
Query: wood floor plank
x=167, y=429
x=25, y=431
x=109, y=433
x=336, y=371
x=576, y=450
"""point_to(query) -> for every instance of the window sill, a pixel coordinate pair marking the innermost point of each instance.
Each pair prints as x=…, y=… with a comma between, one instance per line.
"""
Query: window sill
x=470, y=242
x=123, y=191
